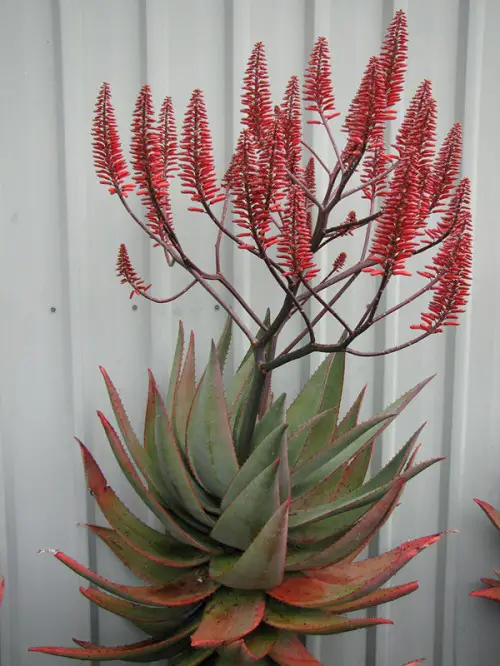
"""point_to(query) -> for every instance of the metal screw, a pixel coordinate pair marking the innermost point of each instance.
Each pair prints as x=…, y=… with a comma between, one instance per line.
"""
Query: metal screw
x=216, y=306
x=134, y=307
x=52, y=309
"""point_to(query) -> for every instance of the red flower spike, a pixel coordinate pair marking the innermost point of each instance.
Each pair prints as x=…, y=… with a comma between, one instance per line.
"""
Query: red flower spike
x=374, y=165
x=451, y=292
x=310, y=183
x=168, y=138
x=339, y=262
x=197, y=168
x=453, y=214
x=272, y=167
x=367, y=114
x=292, y=125
x=109, y=163
x=256, y=104
x=395, y=237
x=294, y=245
x=393, y=57
x=318, y=87
x=249, y=195
x=147, y=163
x=128, y=274
x=446, y=168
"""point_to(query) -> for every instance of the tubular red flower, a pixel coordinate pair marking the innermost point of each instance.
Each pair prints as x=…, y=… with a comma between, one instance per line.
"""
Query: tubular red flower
x=397, y=230
x=127, y=274
x=453, y=262
x=339, y=262
x=168, y=138
x=375, y=164
x=292, y=125
x=294, y=244
x=147, y=163
x=367, y=114
x=318, y=86
x=256, y=104
x=446, y=168
x=109, y=163
x=393, y=57
x=196, y=156
x=454, y=212
x=249, y=193
x=272, y=167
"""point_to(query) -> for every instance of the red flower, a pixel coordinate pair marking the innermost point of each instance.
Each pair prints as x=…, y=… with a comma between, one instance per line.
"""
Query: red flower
x=109, y=162
x=375, y=164
x=294, y=245
x=318, y=87
x=393, y=57
x=196, y=157
x=292, y=125
x=257, y=107
x=168, y=138
x=128, y=274
x=147, y=162
x=272, y=166
x=454, y=212
x=339, y=262
x=446, y=168
x=395, y=237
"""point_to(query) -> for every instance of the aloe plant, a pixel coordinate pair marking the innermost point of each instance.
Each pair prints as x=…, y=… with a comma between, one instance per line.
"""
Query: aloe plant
x=492, y=589
x=263, y=507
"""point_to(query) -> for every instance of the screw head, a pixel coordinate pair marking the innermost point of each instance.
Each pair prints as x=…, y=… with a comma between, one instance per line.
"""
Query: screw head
x=216, y=306
x=52, y=309
x=134, y=307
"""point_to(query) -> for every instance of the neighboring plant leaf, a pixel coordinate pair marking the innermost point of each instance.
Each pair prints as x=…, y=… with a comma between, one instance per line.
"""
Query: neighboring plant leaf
x=492, y=513
x=175, y=372
x=288, y=650
x=184, y=392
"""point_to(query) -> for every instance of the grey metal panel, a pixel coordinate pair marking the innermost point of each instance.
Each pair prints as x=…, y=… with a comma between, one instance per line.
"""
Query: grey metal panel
x=60, y=232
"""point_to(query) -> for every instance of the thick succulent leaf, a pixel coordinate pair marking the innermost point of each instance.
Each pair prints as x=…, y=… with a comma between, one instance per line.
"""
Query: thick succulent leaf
x=492, y=593
x=312, y=620
x=210, y=446
x=358, y=536
x=175, y=372
x=137, y=612
x=191, y=657
x=184, y=394
x=355, y=472
x=150, y=423
x=141, y=566
x=245, y=517
x=173, y=470
x=377, y=598
x=224, y=342
x=272, y=419
x=299, y=437
x=150, y=647
x=191, y=587
x=240, y=382
x=230, y=656
x=351, y=418
x=492, y=513
x=260, y=641
x=344, y=582
x=178, y=548
x=228, y=616
x=271, y=448
x=314, y=472
x=261, y=566
x=416, y=662
x=288, y=650
x=323, y=391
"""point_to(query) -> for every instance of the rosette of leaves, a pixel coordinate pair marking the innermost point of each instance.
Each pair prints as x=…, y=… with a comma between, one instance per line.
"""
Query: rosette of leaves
x=249, y=555
x=492, y=589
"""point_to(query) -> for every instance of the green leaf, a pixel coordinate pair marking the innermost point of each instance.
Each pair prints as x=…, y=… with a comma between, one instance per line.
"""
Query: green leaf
x=323, y=391
x=191, y=657
x=260, y=641
x=150, y=423
x=290, y=651
x=244, y=518
x=228, y=616
x=355, y=472
x=271, y=448
x=175, y=372
x=184, y=394
x=210, y=446
x=313, y=621
x=261, y=566
x=383, y=596
x=299, y=437
x=224, y=342
x=174, y=472
x=273, y=418
x=351, y=418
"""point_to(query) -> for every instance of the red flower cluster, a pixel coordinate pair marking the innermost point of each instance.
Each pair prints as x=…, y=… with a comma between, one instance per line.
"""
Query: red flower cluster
x=196, y=156
x=339, y=262
x=147, y=162
x=292, y=126
x=168, y=138
x=257, y=107
x=294, y=245
x=446, y=168
x=109, y=163
x=453, y=213
x=393, y=57
x=318, y=87
x=127, y=273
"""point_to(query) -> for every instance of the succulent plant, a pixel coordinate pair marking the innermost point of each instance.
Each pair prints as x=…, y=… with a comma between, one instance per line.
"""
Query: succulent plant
x=250, y=554
x=492, y=591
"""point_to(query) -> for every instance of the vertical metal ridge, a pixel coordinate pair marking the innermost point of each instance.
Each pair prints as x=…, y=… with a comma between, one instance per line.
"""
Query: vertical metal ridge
x=68, y=61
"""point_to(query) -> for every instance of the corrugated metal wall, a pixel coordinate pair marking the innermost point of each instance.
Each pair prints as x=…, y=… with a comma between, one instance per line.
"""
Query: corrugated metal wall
x=63, y=312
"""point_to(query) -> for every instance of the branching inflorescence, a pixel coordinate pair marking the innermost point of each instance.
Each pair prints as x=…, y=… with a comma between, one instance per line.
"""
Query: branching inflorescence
x=268, y=202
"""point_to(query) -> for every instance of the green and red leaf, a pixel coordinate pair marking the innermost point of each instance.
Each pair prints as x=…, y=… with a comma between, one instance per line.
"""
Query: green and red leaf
x=288, y=650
